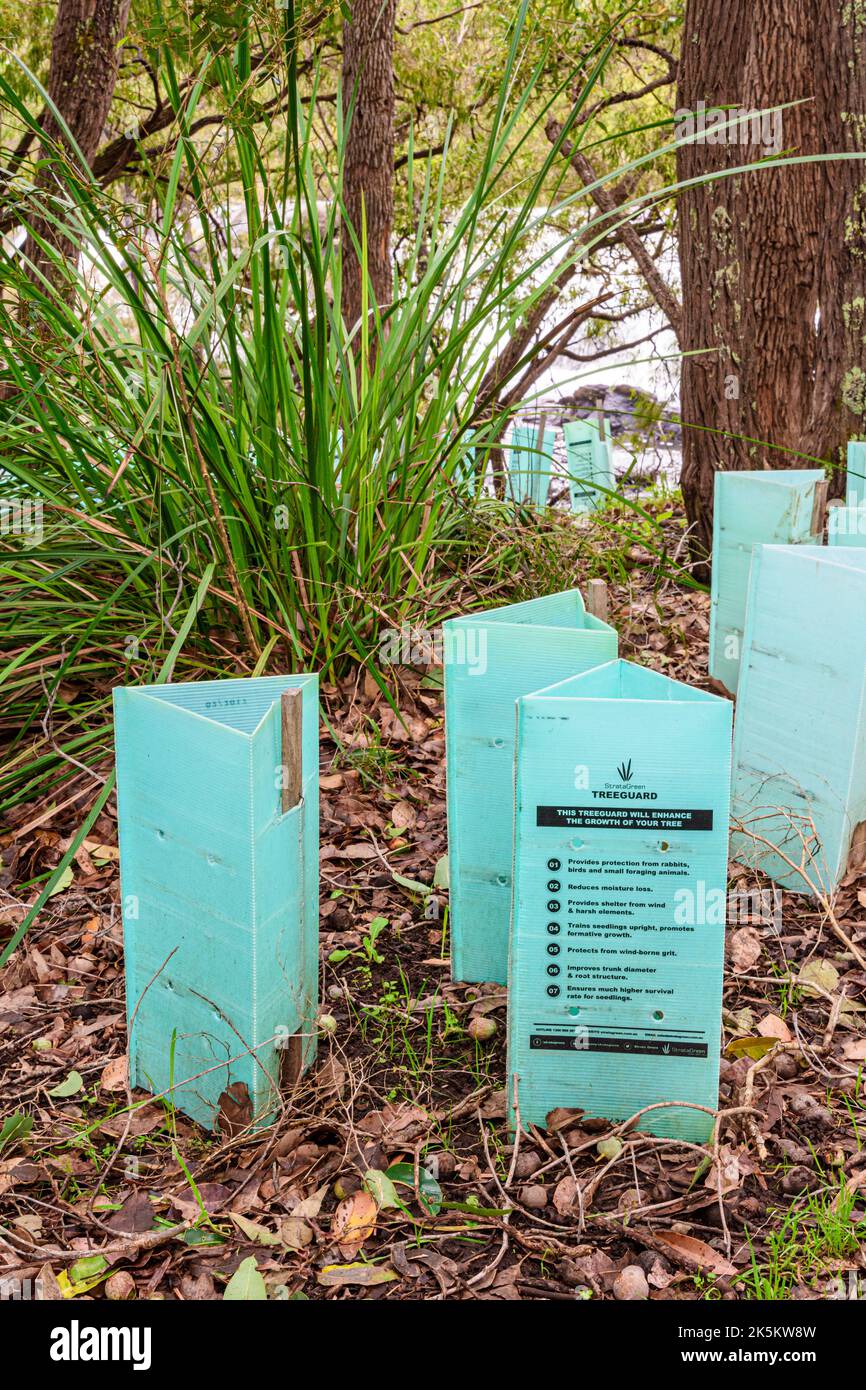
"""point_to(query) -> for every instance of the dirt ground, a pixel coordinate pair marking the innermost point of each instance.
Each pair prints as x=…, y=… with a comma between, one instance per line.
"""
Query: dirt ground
x=95, y=1200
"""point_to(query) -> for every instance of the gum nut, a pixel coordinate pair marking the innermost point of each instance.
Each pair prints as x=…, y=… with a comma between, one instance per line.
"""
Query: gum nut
x=335, y=991
x=786, y=1066
x=481, y=1029
x=327, y=1023
x=534, y=1196
x=649, y=1260
x=630, y=1285
x=120, y=1287
x=41, y=1044
x=446, y=1164
x=527, y=1164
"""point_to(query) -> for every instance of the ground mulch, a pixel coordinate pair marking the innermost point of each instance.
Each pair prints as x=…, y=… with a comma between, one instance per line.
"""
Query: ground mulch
x=96, y=1199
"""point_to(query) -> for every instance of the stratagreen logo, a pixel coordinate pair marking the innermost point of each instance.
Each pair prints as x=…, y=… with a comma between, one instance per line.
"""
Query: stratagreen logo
x=624, y=771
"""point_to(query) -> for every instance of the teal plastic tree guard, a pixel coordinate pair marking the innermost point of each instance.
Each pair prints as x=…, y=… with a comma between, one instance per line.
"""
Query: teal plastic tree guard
x=856, y=481
x=588, y=460
x=779, y=506
x=846, y=525
x=620, y=892
x=218, y=829
x=464, y=468
x=800, y=737
x=530, y=464
x=490, y=659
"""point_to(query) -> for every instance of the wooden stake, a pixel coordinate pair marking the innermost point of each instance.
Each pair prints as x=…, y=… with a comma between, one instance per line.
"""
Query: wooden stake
x=819, y=508
x=597, y=599
x=291, y=724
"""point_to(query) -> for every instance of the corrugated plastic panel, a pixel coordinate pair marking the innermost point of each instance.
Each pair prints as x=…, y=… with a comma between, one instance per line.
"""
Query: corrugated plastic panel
x=800, y=737
x=856, y=483
x=220, y=888
x=530, y=464
x=767, y=506
x=846, y=525
x=490, y=659
x=620, y=890
x=589, y=464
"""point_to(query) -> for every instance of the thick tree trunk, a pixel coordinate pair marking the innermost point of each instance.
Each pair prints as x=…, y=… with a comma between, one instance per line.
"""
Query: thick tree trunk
x=368, y=176
x=750, y=249
x=839, y=406
x=81, y=81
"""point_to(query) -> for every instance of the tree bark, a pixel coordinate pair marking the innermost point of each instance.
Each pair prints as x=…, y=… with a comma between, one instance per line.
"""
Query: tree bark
x=771, y=261
x=82, y=76
x=839, y=400
x=368, y=175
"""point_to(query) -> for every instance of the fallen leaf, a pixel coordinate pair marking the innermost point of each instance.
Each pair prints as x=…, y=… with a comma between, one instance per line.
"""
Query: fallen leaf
x=64, y=881
x=47, y=1288
x=134, y=1217
x=820, y=973
x=441, y=875
x=31, y=1224
x=403, y=815
x=413, y=885
x=253, y=1231
x=14, y=1128
x=134, y=1123
x=694, y=1253
x=213, y=1196
x=396, y=1124
x=403, y=1174
x=750, y=1047
x=82, y=1276
x=774, y=1027
x=724, y=1175
x=561, y=1118
x=114, y=1075
x=246, y=1284
x=333, y=1276
x=381, y=1188
x=353, y=1222
x=70, y=1087
x=565, y=1195
x=108, y=853
x=745, y=949
x=855, y=1050
x=295, y=1233
x=309, y=1207
x=235, y=1109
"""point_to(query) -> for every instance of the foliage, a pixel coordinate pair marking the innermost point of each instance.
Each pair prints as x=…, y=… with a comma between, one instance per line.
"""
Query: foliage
x=189, y=395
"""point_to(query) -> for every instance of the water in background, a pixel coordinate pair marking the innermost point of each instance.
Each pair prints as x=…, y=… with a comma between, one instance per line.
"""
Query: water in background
x=635, y=388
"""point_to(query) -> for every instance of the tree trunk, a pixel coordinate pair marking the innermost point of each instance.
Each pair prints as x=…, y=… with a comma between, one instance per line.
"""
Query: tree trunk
x=84, y=66
x=368, y=175
x=750, y=249
x=839, y=407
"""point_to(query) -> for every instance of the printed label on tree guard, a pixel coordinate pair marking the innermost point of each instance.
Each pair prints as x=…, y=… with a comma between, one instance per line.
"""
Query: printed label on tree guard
x=619, y=903
x=621, y=819
x=614, y=928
